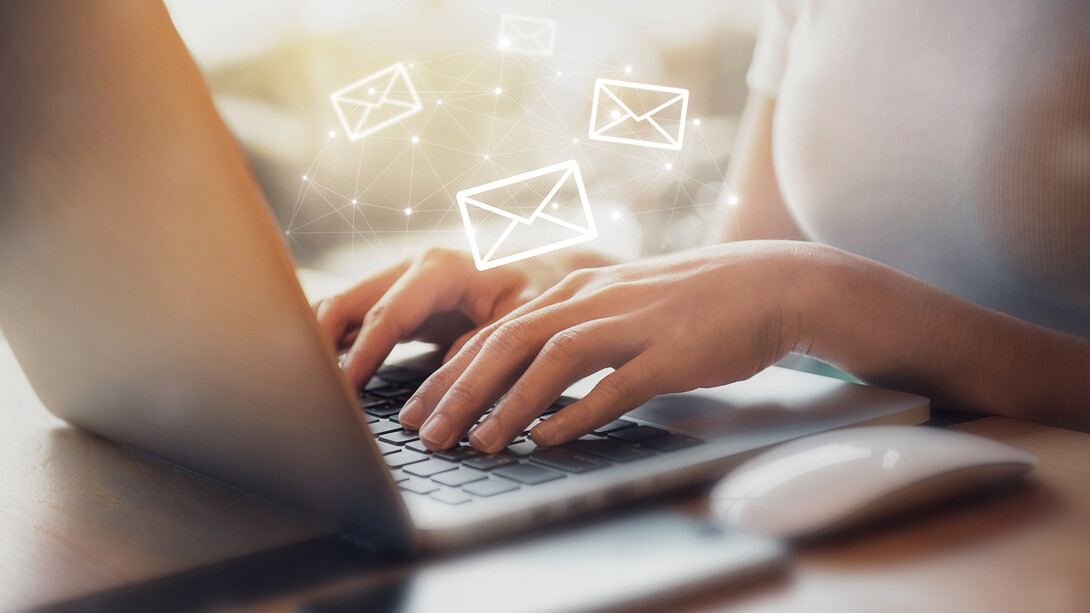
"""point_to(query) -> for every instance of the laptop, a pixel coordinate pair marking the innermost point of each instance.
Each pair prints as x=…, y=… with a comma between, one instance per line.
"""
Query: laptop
x=178, y=328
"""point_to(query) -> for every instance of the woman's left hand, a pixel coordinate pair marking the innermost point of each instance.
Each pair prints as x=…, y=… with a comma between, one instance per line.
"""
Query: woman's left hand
x=699, y=319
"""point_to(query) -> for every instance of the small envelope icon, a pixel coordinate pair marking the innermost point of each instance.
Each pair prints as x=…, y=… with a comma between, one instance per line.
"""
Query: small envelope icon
x=526, y=215
x=377, y=101
x=527, y=34
x=638, y=114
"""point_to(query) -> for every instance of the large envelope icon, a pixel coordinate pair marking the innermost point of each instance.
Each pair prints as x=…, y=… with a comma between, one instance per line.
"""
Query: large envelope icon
x=377, y=101
x=527, y=34
x=552, y=219
x=638, y=114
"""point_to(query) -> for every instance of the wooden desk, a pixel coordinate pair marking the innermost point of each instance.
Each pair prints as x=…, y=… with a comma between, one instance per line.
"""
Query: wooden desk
x=80, y=515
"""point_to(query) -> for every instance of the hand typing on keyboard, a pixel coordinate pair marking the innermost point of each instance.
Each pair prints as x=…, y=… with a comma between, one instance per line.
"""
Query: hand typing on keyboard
x=699, y=319
x=703, y=318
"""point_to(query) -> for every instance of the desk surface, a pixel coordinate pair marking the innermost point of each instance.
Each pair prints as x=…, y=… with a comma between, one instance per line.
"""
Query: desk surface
x=81, y=515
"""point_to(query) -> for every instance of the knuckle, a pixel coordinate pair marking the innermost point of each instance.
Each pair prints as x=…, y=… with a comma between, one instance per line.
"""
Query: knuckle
x=578, y=278
x=615, y=387
x=380, y=316
x=564, y=347
x=510, y=335
x=461, y=394
x=438, y=256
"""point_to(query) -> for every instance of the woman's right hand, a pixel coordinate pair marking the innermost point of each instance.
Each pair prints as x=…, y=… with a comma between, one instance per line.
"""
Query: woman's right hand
x=439, y=297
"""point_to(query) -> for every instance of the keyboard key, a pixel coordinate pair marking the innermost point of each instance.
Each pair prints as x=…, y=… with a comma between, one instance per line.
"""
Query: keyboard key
x=457, y=478
x=429, y=468
x=489, y=461
x=403, y=458
x=560, y=403
x=398, y=475
x=374, y=384
x=383, y=426
x=401, y=375
x=450, y=496
x=457, y=453
x=393, y=392
x=527, y=473
x=419, y=486
x=389, y=409
x=523, y=448
x=399, y=437
x=607, y=449
x=615, y=425
x=671, y=442
x=638, y=434
x=567, y=460
x=489, y=487
x=370, y=419
x=386, y=448
x=418, y=446
x=367, y=401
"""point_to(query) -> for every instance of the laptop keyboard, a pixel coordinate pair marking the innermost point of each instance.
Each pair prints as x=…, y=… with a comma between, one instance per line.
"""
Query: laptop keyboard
x=461, y=474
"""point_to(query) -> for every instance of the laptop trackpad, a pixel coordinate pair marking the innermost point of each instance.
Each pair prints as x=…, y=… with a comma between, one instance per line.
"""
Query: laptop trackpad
x=774, y=400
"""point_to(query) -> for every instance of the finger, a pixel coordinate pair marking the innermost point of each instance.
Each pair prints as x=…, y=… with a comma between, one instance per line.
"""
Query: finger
x=505, y=353
x=628, y=387
x=421, y=291
x=339, y=313
x=424, y=401
x=569, y=355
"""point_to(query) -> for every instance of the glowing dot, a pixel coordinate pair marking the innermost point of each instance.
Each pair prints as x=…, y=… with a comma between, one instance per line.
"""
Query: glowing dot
x=615, y=215
x=304, y=177
x=410, y=65
x=288, y=233
x=733, y=200
x=628, y=69
x=575, y=140
x=371, y=90
x=615, y=115
x=408, y=211
x=438, y=102
x=416, y=139
x=332, y=134
x=506, y=42
x=559, y=74
x=556, y=205
x=669, y=166
x=354, y=201
x=498, y=91
x=486, y=156
x=696, y=122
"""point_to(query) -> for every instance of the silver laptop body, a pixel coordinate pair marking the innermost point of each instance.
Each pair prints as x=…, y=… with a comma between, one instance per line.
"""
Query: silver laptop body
x=179, y=329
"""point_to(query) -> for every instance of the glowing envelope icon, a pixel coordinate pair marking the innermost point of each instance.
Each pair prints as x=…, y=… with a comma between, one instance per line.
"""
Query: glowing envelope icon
x=377, y=101
x=526, y=215
x=527, y=35
x=638, y=114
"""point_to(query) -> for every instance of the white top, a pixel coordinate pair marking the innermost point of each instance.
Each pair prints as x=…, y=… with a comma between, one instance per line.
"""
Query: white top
x=950, y=140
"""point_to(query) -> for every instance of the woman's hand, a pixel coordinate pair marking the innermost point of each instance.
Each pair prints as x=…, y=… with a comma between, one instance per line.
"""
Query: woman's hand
x=699, y=319
x=439, y=297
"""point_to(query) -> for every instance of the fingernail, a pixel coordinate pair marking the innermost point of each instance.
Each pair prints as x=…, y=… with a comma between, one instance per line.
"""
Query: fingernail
x=408, y=415
x=486, y=435
x=436, y=430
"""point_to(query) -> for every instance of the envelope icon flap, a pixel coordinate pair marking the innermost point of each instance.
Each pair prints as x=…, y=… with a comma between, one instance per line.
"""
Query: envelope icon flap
x=528, y=28
x=527, y=214
x=522, y=197
x=638, y=100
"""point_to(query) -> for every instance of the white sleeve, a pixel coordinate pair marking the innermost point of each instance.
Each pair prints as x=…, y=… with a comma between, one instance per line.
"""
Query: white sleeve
x=770, y=54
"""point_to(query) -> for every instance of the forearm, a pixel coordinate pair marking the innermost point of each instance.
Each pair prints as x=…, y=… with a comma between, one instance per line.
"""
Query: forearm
x=891, y=329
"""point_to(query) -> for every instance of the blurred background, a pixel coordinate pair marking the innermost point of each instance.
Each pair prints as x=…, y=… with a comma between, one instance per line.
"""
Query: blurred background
x=488, y=113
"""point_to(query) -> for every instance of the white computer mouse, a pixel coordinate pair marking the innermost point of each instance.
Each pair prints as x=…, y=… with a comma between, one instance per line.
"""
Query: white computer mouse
x=831, y=481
